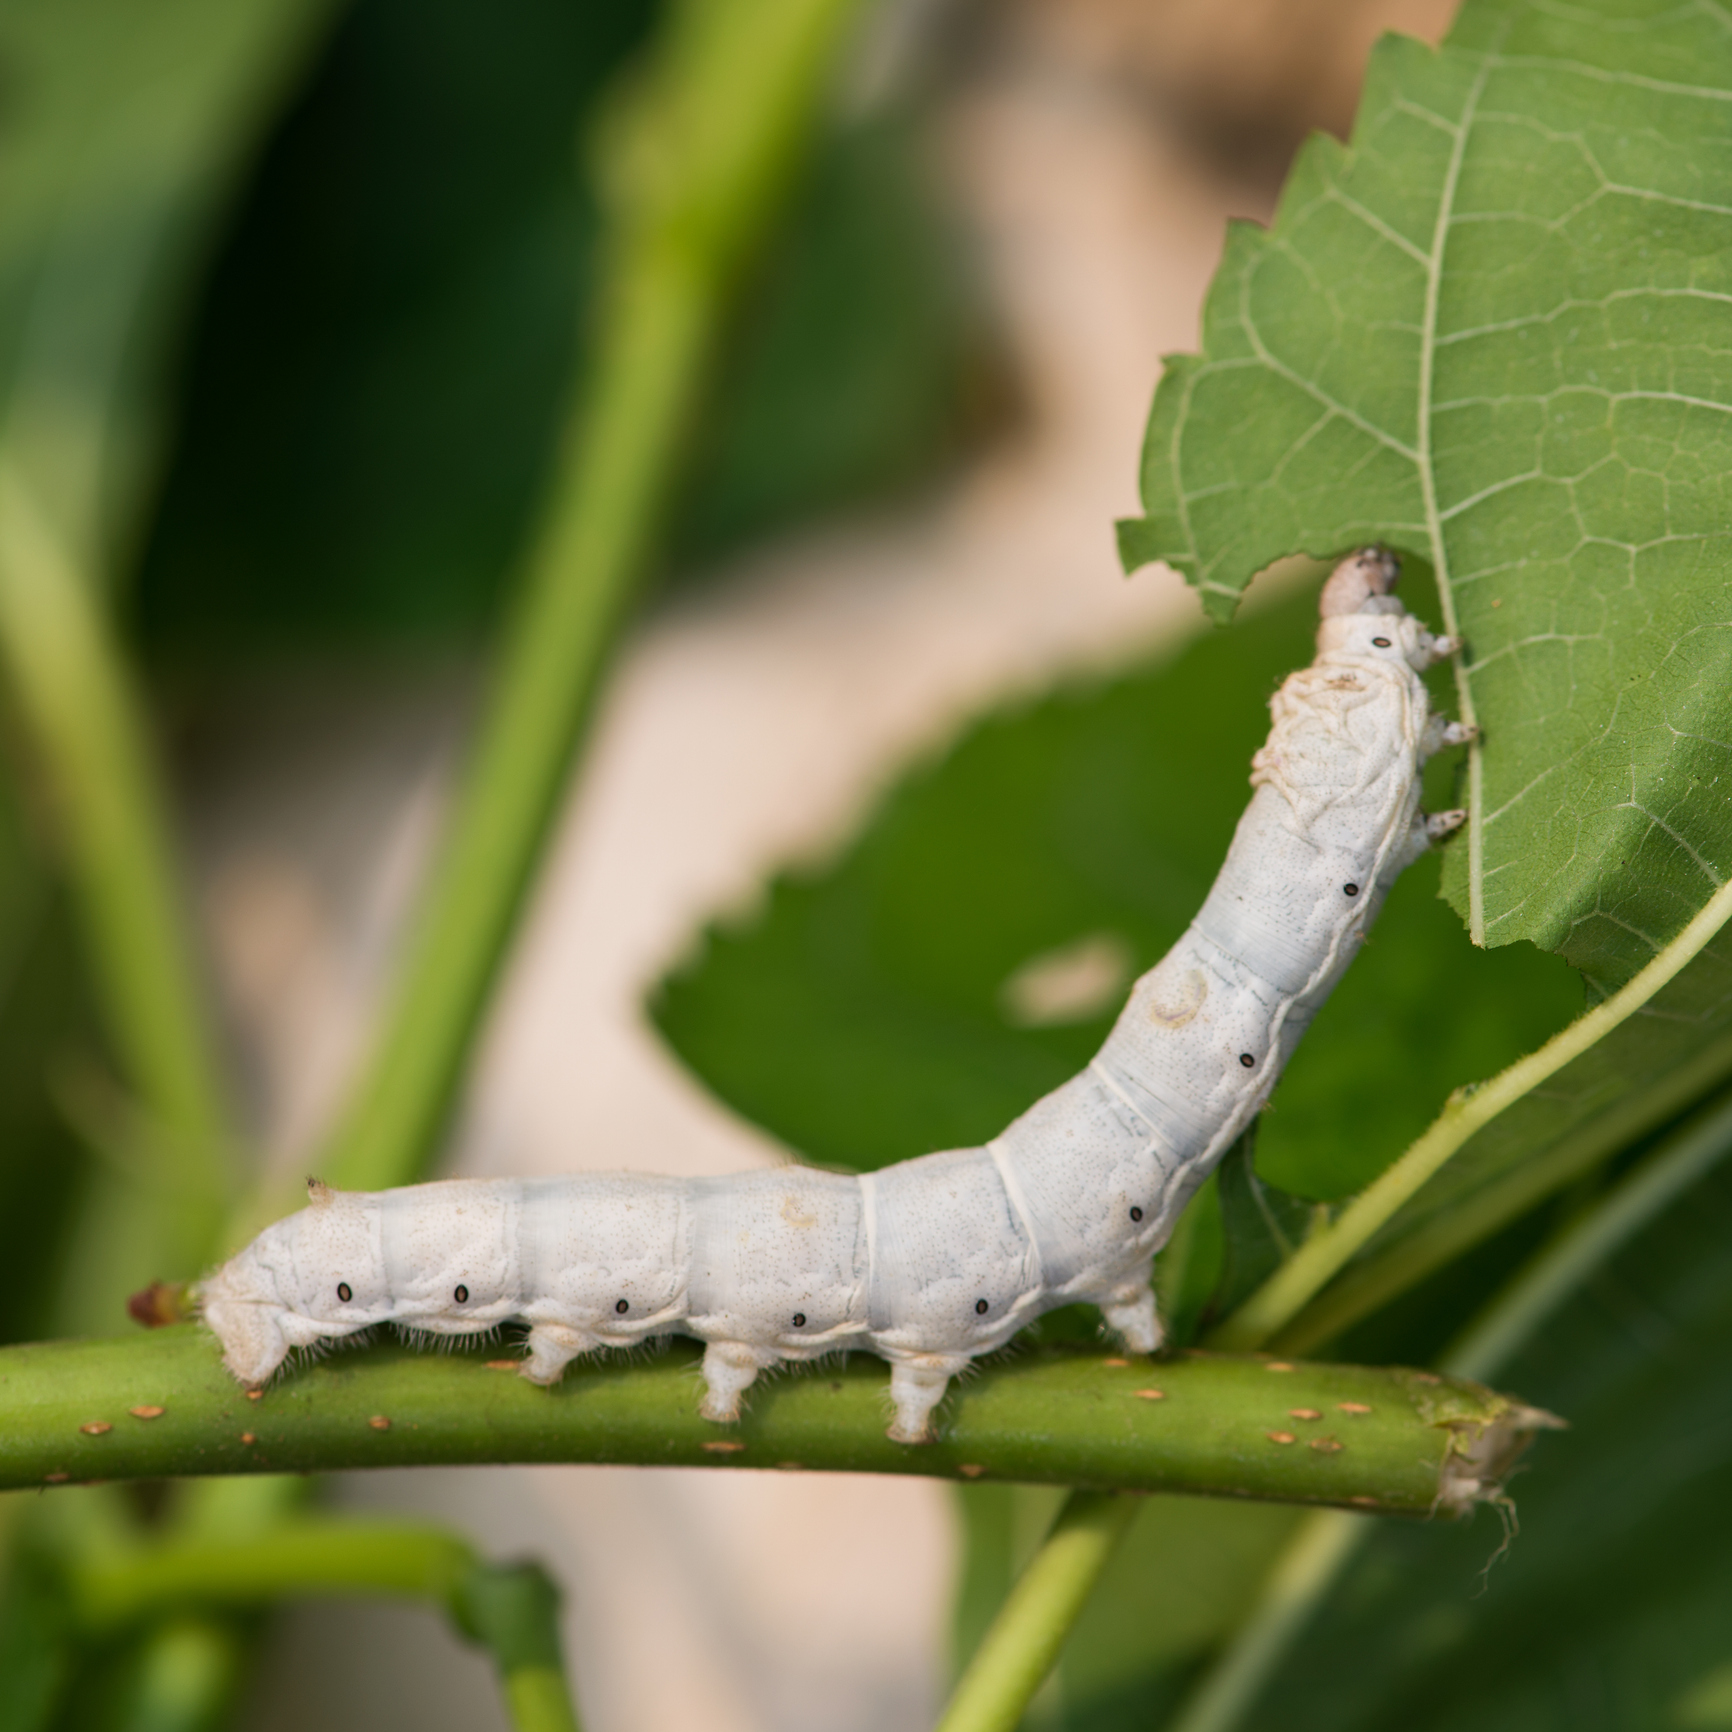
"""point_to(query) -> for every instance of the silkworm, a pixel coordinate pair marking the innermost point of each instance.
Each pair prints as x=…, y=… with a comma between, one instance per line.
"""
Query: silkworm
x=934, y=1261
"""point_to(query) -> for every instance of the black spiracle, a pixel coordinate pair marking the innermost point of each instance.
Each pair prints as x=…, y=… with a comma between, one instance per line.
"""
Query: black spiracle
x=1349, y=889
x=623, y=1306
x=1246, y=1060
x=799, y=1319
x=461, y=1295
x=1136, y=1214
x=980, y=1307
x=343, y=1292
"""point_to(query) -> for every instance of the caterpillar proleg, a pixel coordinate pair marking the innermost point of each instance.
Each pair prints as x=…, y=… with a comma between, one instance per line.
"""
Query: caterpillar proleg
x=937, y=1260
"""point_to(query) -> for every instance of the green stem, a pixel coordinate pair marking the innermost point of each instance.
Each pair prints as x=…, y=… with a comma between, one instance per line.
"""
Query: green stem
x=1025, y=1639
x=1321, y=1257
x=700, y=160
x=1220, y=1426
x=1324, y=1546
x=71, y=684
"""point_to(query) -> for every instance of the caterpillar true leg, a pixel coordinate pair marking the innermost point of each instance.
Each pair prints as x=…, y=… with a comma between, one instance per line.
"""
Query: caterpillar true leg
x=1440, y=733
x=934, y=1261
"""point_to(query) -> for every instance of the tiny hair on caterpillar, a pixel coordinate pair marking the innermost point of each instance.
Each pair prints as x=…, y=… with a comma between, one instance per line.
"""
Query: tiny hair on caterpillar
x=934, y=1261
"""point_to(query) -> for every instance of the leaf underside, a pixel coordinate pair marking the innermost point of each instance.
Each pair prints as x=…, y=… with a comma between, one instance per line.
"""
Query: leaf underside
x=1493, y=332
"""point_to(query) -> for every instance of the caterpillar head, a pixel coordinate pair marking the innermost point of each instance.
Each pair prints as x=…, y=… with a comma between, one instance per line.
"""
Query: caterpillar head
x=1361, y=617
x=1364, y=582
x=315, y=1276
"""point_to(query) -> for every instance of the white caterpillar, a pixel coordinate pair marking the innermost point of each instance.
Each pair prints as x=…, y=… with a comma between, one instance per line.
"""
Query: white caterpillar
x=935, y=1261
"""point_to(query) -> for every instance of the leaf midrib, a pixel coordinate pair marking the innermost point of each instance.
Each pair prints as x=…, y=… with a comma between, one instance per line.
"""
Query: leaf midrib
x=1428, y=497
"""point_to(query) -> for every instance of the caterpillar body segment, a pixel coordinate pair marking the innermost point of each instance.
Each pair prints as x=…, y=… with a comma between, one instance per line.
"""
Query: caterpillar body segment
x=934, y=1261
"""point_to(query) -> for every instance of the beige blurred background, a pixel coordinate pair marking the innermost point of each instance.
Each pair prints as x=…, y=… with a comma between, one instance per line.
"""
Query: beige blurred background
x=1094, y=149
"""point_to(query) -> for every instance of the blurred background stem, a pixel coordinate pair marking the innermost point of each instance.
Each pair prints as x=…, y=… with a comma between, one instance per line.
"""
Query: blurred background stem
x=510, y=1610
x=1023, y=1643
x=694, y=165
x=74, y=689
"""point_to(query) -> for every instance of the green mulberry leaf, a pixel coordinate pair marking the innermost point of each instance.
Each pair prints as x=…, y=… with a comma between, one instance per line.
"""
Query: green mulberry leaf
x=1494, y=332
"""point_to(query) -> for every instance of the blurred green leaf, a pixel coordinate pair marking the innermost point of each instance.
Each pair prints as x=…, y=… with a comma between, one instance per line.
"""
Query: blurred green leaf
x=864, y=1017
x=1626, y=1087
x=385, y=350
x=1188, y=1271
x=36, y=1650
x=180, y=1676
x=45, y=1172
x=35, y=1661
x=1614, y=1603
x=864, y=361
x=45, y=1018
x=1261, y=1225
x=1182, y=1580
x=119, y=143
x=375, y=387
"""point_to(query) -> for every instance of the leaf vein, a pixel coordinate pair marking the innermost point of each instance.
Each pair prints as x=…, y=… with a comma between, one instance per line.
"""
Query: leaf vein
x=1660, y=823
x=1377, y=225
